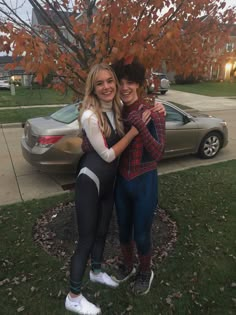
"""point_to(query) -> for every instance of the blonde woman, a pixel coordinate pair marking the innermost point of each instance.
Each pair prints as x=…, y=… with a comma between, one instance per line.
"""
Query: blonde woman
x=103, y=142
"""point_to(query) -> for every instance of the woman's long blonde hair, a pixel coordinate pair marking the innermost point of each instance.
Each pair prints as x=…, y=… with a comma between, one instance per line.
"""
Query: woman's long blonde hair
x=92, y=102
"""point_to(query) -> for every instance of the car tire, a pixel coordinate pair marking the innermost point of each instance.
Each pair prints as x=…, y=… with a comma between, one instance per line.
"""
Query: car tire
x=163, y=92
x=149, y=91
x=210, y=145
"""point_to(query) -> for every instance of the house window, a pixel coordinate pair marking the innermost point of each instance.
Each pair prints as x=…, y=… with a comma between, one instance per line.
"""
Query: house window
x=230, y=47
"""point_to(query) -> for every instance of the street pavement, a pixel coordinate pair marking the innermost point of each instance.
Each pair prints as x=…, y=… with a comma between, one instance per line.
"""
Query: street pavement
x=19, y=181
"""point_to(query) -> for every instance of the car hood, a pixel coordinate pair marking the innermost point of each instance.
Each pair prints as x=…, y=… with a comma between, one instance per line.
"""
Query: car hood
x=202, y=116
x=49, y=126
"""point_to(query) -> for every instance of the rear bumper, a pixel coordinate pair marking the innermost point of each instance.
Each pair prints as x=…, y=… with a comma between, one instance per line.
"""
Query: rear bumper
x=50, y=162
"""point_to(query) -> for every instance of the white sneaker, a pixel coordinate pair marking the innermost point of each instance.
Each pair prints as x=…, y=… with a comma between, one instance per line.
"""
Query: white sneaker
x=82, y=306
x=102, y=277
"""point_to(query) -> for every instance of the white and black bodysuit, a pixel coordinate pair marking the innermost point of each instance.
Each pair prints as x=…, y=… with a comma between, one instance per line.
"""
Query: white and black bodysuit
x=94, y=194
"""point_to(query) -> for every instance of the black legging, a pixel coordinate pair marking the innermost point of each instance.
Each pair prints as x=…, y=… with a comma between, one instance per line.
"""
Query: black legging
x=94, y=212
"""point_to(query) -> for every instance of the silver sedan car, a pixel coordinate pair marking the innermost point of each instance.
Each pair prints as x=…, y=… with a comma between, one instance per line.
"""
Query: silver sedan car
x=53, y=143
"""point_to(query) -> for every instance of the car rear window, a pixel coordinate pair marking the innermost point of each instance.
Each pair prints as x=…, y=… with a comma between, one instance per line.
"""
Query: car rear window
x=162, y=76
x=66, y=114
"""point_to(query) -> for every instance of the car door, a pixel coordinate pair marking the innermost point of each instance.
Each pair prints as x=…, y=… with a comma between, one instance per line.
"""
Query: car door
x=181, y=133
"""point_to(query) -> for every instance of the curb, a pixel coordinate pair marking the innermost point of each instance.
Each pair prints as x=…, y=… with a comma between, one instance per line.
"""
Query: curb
x=12, y=125
x=33, y=106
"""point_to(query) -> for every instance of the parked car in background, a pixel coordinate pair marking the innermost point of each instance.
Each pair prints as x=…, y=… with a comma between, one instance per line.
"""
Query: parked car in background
x=157, y=82
x=53, y=143
x=4, y=85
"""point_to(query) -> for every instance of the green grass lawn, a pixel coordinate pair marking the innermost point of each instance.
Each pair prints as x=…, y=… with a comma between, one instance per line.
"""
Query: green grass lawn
x=208, y=88
x=198, y=276
x=28, y=97
x=22, y=114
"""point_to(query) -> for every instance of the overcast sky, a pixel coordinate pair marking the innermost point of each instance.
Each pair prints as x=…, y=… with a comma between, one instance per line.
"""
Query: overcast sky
x=26, y=10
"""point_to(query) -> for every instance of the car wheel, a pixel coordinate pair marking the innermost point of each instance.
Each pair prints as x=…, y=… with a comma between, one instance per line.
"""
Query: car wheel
x=210, y=145
x=163, y=92
x=148, y=91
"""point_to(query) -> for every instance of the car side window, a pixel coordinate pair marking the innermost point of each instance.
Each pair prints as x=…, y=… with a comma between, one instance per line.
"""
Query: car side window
x=172, y=114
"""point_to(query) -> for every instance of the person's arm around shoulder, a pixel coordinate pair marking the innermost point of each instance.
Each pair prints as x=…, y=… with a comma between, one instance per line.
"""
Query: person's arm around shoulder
x=90, y=125
x=155, y=146
x=120, y=146
x=159, y=107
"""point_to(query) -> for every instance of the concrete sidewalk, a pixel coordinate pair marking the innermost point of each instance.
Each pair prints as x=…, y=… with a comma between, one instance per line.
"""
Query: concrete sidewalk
x=19, y=181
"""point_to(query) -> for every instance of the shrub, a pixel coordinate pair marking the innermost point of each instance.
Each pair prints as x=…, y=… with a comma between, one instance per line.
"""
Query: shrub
x=181, y=79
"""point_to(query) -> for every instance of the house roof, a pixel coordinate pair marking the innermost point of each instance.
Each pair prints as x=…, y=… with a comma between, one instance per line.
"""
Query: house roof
x=8, y=59
x=205, y=18
x=58, y=17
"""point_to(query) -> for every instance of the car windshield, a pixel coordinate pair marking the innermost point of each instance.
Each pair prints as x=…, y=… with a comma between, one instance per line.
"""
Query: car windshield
x=66, y=114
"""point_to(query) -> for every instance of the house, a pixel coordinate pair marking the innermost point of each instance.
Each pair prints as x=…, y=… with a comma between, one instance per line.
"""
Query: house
x=17, y=75
x=60, y=19
x=225, y=69
x=38, y=22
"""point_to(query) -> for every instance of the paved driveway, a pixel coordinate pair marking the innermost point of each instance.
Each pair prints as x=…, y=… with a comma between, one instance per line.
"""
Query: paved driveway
x=200, y=102
x=20, y=181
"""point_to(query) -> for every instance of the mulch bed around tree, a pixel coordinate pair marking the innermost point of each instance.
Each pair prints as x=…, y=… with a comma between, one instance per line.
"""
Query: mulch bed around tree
x=56, y=232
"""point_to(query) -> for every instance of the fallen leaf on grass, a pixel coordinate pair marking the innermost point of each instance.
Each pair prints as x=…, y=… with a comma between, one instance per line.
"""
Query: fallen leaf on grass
x=32, y=289
x=20, y=309
x=177, y=295
x=209, y=228
x=23, y=279
x=129, y=308
x=168, y=300
x=4, y=281
x=97, y=294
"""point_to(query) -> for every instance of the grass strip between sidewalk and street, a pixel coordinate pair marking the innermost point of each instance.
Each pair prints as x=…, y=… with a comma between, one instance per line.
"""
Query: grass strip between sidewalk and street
x=22, y=114
x=225, y=89
x=197, y=277
x=30, y=97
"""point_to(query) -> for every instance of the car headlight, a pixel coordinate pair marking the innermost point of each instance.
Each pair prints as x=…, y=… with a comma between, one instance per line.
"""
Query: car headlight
x=223, y=123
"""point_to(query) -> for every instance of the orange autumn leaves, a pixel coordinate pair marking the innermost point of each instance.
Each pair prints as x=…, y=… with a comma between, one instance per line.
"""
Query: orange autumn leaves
x=167, y=31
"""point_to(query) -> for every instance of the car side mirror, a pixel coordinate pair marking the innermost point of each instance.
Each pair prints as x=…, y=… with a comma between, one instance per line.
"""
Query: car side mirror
x=186, y=119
